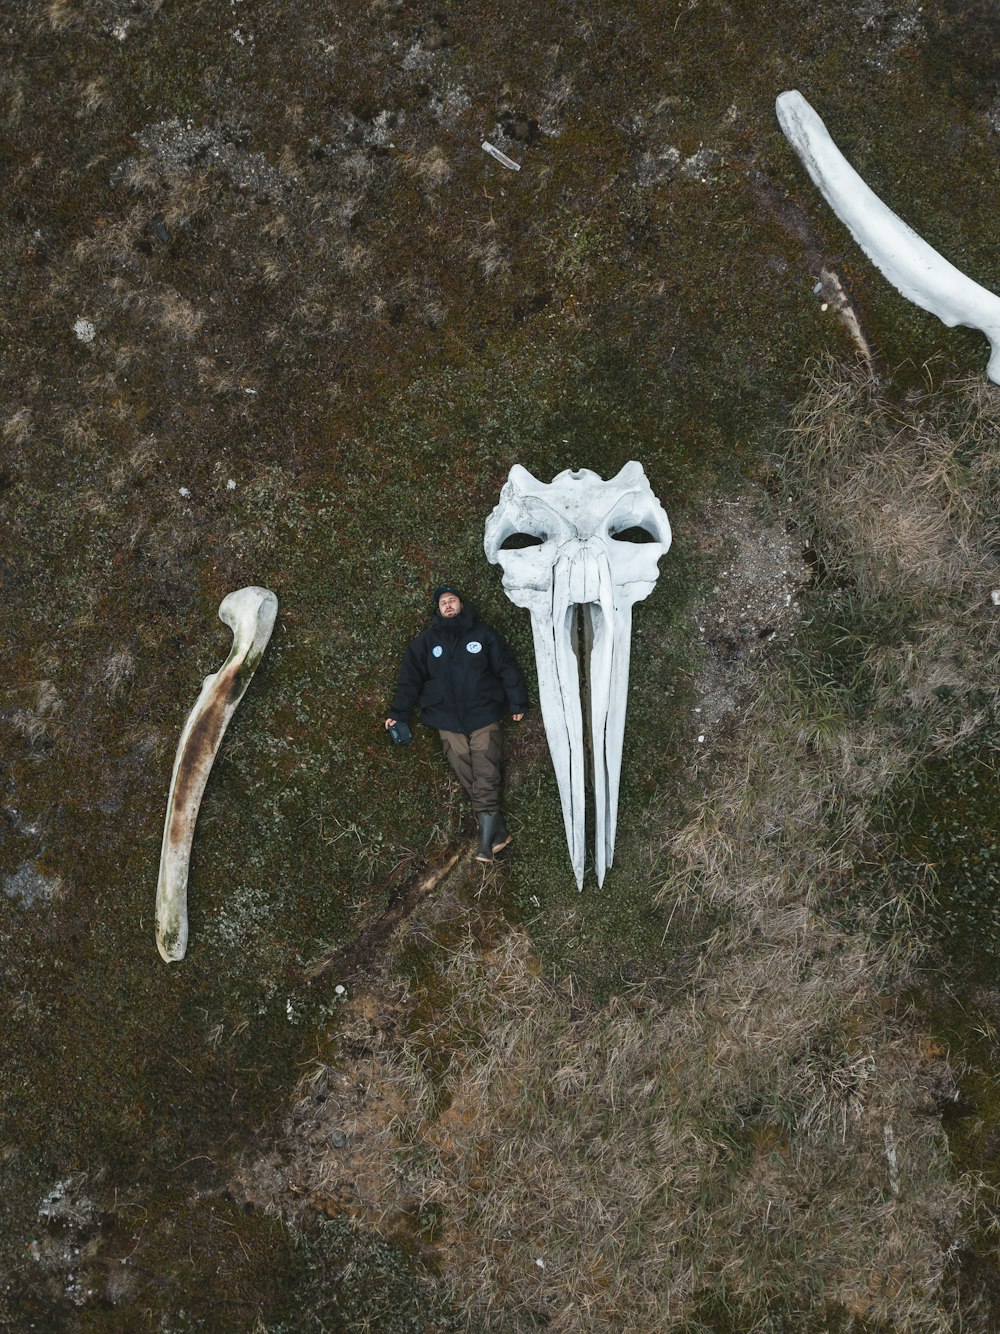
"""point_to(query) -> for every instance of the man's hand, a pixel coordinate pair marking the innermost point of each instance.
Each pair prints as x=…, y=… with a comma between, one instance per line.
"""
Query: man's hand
x=391, y=722
x=517, y=717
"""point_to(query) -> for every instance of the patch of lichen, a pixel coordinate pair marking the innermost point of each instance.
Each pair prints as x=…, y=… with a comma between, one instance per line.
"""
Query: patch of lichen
x=211, y=1265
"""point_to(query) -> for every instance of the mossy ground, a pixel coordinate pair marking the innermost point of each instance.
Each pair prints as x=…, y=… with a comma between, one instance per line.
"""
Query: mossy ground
x=362, y=328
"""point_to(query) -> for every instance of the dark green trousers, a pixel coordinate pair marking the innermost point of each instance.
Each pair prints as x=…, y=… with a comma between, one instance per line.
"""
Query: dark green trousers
x=475, y=758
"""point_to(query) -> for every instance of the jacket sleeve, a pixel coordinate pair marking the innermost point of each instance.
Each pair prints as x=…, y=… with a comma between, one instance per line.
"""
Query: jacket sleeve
x=505, y=665
x=412, y=676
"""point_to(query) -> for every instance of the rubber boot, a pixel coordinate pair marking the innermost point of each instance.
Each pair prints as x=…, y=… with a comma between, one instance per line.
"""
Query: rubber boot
x=487, y=831
x=501, y=838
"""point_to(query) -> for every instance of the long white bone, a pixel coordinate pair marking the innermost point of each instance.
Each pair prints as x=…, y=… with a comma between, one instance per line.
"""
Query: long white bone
x=250, y=614
x=912, y=266
x=577, y=565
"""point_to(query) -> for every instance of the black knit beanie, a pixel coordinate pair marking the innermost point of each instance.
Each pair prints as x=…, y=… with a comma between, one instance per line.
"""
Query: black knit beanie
x=447, y=588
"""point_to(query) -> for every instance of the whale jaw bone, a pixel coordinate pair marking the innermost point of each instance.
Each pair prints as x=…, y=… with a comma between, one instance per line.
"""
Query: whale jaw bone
x=250, y=613
x=579, y=582
x=913, y=267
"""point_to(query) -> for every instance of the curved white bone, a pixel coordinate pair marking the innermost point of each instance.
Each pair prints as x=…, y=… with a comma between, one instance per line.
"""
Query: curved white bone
x=578, y=565
x=912, y=266
x=250, y=614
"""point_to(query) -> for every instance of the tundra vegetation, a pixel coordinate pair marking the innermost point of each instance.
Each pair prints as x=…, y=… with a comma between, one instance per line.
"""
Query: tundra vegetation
x=272, y=316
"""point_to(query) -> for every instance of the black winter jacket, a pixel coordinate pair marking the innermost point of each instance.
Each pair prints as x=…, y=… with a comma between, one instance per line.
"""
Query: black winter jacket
x=461, y=673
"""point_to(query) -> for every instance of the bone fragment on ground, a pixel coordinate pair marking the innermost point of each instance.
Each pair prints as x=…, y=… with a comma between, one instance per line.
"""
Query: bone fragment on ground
x=250, y=614
x=912, y=266
x=577, y=563
x=833, y=290
x=502, y=158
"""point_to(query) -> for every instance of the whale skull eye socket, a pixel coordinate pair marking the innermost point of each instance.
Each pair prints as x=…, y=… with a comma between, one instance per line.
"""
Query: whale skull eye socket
x=518, y=541
x=635, y=534
x=566, y=551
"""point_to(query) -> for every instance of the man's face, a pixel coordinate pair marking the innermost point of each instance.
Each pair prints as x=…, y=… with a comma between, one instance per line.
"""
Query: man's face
x=449, y=605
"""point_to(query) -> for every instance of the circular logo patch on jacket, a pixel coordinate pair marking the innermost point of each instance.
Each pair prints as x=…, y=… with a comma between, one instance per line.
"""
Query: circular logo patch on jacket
x=437, y=650
x=474, y=646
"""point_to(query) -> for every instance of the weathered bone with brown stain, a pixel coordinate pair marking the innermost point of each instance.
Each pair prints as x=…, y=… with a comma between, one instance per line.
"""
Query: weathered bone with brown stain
x=912, y=266
x=250, y=614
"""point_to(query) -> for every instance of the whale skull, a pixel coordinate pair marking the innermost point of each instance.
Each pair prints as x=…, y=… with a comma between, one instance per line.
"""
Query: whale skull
x=577, y=552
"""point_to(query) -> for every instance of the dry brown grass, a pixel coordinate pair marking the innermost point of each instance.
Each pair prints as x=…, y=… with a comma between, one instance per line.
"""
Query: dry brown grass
x=651, y=1157
x=901, y=502
x=431, y=168
x=61, y=15
x=117, y=672
x=17, y=428
x=765, y=1150
x=728, y=1152
x=178, y=317
x=905, y=498
x=93, y=95
x=140, y=463
x=355, y=259
x=41, y=722
x=109, y=245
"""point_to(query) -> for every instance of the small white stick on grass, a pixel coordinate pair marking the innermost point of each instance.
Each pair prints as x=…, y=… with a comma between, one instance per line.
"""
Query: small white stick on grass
x=890, y=1157
x=250, y=614
x=502, y=158
x=913, y=267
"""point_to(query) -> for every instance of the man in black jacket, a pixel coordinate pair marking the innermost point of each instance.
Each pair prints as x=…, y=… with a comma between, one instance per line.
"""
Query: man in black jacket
x=465, y=678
